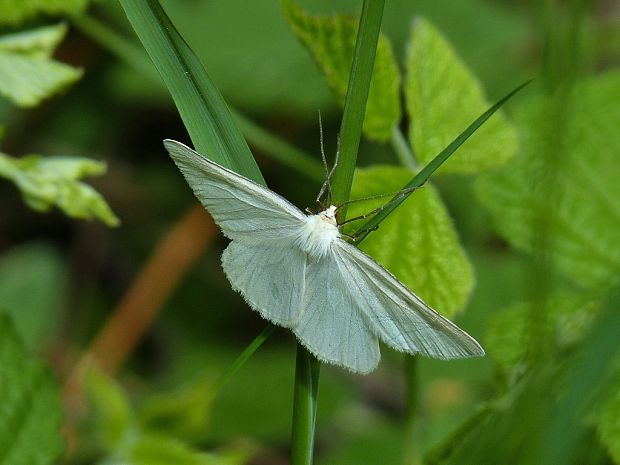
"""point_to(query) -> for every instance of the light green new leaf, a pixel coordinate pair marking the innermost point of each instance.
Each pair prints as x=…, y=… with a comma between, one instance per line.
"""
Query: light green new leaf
x=331, y=41
x=127, y=442
x=183, y=413
x=164, y=450
x=30, y=413
x=16, y=11
x=561, y=196
x=442, y=98
x=113, y=412
x=28, y=74
x=39, y=42
x=32, y=285
x=45, y=182
x=564, y=318
x=417, y=242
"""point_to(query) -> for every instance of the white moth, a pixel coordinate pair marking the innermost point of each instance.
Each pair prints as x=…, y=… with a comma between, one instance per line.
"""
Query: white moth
x=297, y=271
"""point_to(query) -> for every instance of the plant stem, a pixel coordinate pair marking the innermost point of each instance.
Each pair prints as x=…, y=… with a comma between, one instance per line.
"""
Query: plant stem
x=410, y=371
x=305, y=400
x=403, y=151
x=175, y=253
x=307, y=368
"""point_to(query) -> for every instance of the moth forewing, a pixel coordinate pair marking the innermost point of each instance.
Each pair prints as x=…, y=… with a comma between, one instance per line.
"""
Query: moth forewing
x=297, y=271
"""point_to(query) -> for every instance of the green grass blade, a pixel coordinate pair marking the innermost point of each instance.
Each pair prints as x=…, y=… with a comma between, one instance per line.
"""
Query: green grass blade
x=258, y=137
x=201, y=106
x=355, y=101
x=243, y=357
x=435, y=163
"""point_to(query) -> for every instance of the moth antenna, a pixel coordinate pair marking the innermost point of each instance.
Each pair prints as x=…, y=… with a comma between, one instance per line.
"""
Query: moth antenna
x=399, y=195
x=336, y=160
x=326, y=187
x=395, y=194
x=361, y=217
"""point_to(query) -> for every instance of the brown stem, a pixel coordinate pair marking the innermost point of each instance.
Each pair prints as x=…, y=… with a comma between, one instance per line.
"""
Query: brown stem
x=139, y=307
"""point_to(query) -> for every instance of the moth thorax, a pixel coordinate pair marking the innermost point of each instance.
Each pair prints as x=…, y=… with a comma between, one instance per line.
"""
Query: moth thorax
x=319, y=232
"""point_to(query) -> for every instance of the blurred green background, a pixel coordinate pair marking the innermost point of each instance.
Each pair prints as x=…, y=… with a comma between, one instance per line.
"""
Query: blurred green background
x=61, y=279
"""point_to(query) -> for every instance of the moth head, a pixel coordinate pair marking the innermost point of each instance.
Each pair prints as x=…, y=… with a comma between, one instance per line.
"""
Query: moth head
x=329, y=215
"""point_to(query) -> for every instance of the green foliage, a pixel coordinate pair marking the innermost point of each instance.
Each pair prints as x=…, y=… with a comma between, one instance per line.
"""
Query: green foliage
x=48, y=181
x=564, y=320
x=28, y=73
x=30, y=415
x=112, y=409
x=443, y=97
x=417, y=242
x=32, y=281
x=609, y=425
x=570, y=196
x=331, y=41
x=16, y=11
x=164, y=450
x=124, y=440
x=545, y=417
x=183, y=413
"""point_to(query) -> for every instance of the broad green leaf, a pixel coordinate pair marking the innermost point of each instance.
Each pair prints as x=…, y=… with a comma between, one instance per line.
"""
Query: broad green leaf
x=112, y=409
x=30, y=413
x=565, y=318
x=16, y=11
x=28, y=74
x=32, y=285
x=417, y=242
x=443, y=97
x=164, y=450
x=184, y=413
x=561, y=196
x=608, y=425
x=45, y=182
x=331, y=41
x=125, y=442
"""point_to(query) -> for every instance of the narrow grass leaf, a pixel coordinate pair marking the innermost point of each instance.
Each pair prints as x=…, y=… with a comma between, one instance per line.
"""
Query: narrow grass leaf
x=442, y=97
x=420, y=178
x=418, y=242
x=331, y=41
x=30, y=415
x=201, y=106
